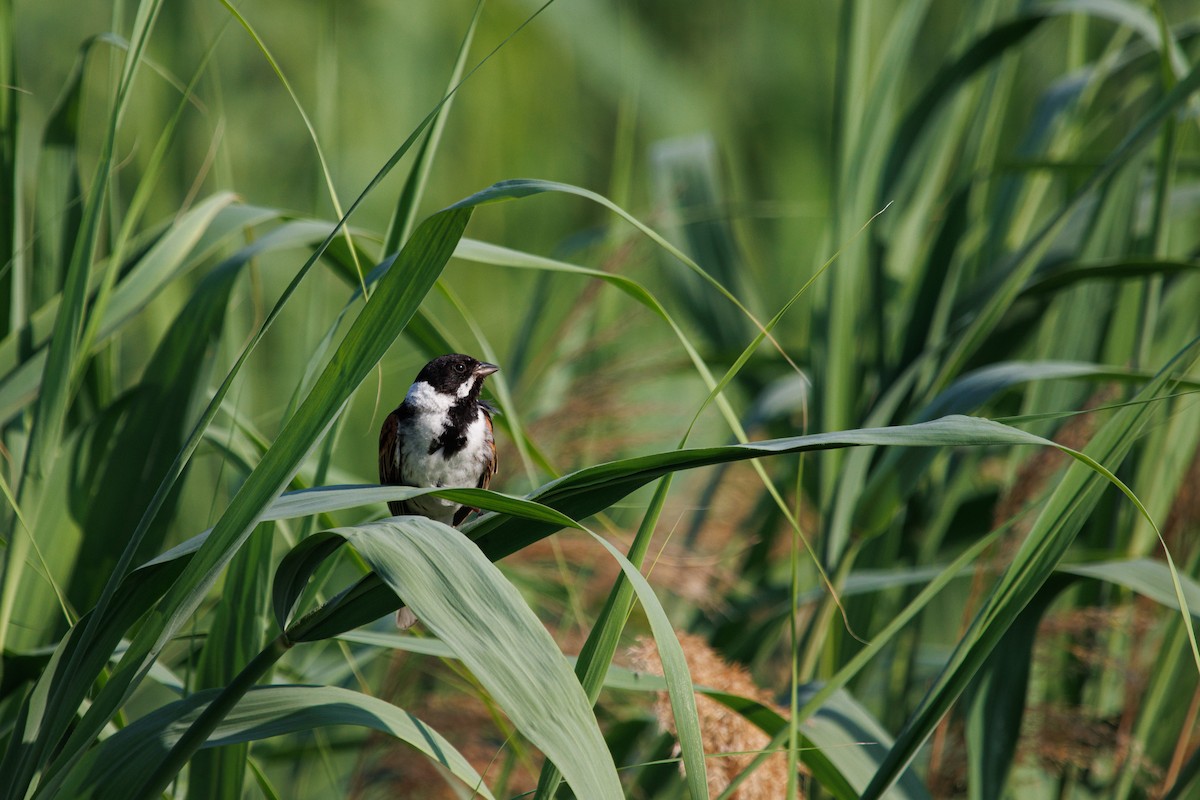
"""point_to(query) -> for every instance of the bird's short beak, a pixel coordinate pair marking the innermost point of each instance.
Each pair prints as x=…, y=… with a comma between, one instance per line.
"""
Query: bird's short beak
x=485, y=369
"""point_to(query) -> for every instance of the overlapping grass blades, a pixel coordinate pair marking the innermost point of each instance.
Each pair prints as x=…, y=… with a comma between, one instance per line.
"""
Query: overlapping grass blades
x=1020, y=281
x=1071, y=503
x=265, y=711
x=468, y=604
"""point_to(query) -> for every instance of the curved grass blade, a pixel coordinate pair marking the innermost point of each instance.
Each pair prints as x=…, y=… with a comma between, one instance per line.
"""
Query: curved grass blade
x=1149, y=578
x=265, y=711
x=899, y=470
x=1071, y=274
x=1064, y=513
x=369, y=336
x=675, y=670
x=463, y=599
x=526, y=187
x=304, y=559
x=594, y=489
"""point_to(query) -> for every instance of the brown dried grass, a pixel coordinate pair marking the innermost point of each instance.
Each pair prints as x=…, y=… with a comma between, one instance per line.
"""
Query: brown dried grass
x=722, y=730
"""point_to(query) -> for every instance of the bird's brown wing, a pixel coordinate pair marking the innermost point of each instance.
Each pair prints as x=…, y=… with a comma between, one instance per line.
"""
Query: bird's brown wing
x=489, y=469
x=390, y=467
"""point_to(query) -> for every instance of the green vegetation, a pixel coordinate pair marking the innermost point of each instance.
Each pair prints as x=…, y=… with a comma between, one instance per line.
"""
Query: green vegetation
x=850, y=442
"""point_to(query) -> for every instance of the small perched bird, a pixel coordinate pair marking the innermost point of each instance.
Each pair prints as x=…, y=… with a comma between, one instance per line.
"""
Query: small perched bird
x=441, y=435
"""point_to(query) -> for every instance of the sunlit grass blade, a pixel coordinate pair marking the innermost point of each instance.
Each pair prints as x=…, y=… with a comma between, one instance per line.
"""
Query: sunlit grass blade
x=468, y=604
x=591, y=490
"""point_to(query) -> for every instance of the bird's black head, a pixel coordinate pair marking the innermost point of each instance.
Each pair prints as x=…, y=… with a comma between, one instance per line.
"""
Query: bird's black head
x=456, y=374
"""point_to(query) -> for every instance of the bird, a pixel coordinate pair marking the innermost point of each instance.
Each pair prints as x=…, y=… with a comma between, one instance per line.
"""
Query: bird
x=440, y=436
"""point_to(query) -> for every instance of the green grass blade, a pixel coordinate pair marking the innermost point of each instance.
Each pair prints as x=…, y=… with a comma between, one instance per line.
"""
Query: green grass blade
x=1023, y=262
x=949, y=78
x=591, y=490
x=264, y=712
x=199, y=229
x=62, y=363
x=405, y=213
x=370, y=335
x=463, y=599
x=595, y=657
x=236, y=634
x=374, y=329
x=1073, y=273
x=1073, y=499
x=1149, y=578
x=149, y=429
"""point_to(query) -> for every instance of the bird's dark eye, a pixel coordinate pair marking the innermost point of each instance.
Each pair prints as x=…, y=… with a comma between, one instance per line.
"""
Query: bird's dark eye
x=459, y=368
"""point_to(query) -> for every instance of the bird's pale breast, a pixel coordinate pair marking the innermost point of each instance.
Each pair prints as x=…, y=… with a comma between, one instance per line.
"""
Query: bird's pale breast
x=420, y=433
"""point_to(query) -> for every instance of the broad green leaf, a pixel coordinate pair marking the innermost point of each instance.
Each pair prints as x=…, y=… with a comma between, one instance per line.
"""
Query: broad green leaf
x=466, y=602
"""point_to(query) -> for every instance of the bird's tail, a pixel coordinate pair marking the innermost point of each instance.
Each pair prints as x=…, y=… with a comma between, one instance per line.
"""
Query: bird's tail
x=405, y=618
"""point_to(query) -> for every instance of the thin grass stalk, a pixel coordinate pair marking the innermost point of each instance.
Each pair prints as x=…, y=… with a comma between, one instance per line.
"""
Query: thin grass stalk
x=1163, y=180
x=601, y=644
x=198, y=732
x=312, y=134
x=405, y=215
